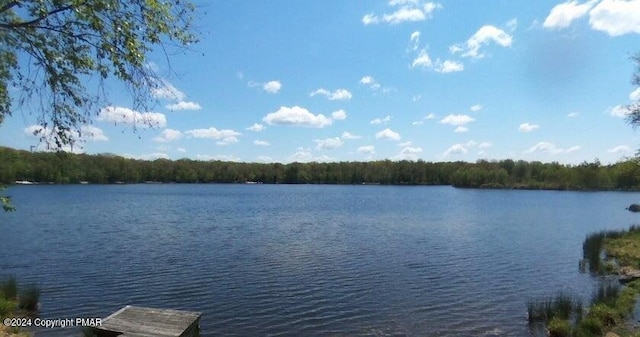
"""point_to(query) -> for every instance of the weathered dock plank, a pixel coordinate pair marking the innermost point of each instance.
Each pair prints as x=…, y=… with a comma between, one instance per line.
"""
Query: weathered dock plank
x=132, y=321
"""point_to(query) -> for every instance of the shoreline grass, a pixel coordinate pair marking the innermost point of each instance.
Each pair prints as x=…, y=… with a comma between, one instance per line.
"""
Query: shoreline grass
x=607, y=252
x=610, y=308
x=615, y=252
x=562, y=305
x=15, y=301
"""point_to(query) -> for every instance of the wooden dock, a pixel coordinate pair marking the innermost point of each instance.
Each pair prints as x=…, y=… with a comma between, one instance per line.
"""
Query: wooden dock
x=133, y=321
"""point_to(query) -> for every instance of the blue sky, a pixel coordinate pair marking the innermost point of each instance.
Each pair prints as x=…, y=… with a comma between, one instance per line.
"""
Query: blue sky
x=284, y=81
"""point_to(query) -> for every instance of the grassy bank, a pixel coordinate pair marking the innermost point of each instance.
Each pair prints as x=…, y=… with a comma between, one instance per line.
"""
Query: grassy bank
x=15, y=302
x=611, y=305
x=612, y=252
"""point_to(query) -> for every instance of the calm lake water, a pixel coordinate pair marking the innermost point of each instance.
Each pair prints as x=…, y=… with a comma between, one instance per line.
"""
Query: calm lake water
x=306, y=260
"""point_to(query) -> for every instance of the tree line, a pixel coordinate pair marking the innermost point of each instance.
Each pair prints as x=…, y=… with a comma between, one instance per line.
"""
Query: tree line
x=67, y=168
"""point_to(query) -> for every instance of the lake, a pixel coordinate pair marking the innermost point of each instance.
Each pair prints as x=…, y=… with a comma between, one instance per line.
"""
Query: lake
x=306, y=260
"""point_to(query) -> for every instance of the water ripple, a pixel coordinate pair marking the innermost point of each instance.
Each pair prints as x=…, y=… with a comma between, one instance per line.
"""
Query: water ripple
x=305, y=260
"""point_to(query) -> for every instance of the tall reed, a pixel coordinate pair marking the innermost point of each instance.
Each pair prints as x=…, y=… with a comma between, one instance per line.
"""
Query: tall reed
x=29, y=298
x=562, y=306
x=9, y=288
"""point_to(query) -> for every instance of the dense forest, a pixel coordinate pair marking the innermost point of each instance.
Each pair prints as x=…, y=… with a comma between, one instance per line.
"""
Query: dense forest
x=66, y=168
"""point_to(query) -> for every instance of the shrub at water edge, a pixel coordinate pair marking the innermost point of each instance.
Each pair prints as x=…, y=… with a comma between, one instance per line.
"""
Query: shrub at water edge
x=559, y=327
x=9, y=288
x=29, y=298
x=6, y=307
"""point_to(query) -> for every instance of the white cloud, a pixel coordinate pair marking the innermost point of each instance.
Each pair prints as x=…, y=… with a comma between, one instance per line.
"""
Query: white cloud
x=405, y=144
x=223, y=137
x=512, y=24
x=414, y=40
x=272, y=87
x=572, y=149
x=370, y=81
x=457, y=120
x=463, y=148
x=620, y=148
x=403, y=15
x=406, y=11
x=182, y=105
x=261, y=143
x=635, y=95
x=147, y=156
x=483, y=36
x=409, y=153
x=476, y=107
x=368, y=149
x=526, y=127
x=448, y=66
x=456, y=149
x=366, y=80
x=349, y=135
x=86, y=133
x=388, y=134
x=339, y=115
x=220, y=157
x=166, y=90
x=461, y=129
x=168, y=135
x=618, y=111
x=430, y=116
x=417, y=123
x=416, y=98
x=562, y=15
x=369, y=19
x=305, y=155
x=90, y=132
x=297, y=116
x=573, y=114
x=127, y=116
x=301, y=156
x=616, y=17
x=422, y=60
x=551, y=148
x=329, y=143
x=338, y=95
x=256, y=127
x=181, y=150
x=384, y=120
x=36, y=130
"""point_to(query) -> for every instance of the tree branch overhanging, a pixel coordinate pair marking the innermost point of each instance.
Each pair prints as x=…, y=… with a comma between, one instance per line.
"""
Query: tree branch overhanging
x=8, y=6
x=14, y=25
x=52, y=47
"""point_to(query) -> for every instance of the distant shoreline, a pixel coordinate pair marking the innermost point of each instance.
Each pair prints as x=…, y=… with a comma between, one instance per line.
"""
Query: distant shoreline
x=521, y=188
x=26, y=168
